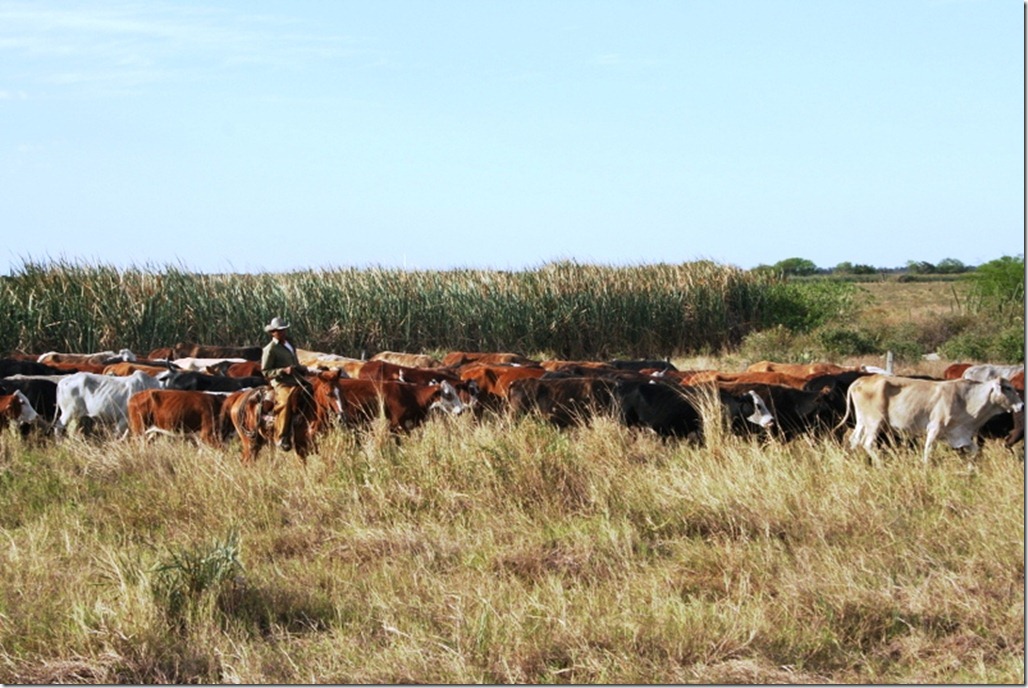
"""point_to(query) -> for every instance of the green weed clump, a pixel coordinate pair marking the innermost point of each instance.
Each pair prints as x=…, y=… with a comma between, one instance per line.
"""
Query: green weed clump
x=191, y=578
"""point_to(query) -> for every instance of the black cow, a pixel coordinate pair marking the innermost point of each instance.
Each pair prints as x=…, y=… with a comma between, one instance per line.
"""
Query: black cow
x=1008, y=426
x=17, y=366
x=796, y=411
x=192, y=380
x=673, y=410
x=641, y=364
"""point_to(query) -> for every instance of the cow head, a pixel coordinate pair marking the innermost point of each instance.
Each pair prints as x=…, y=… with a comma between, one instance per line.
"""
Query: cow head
x=447, y=399
x=760, y=414
x=1003, y=394
x=25, y=413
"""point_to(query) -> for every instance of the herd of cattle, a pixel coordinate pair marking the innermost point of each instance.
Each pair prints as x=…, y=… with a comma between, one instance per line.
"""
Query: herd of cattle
x=215, y=392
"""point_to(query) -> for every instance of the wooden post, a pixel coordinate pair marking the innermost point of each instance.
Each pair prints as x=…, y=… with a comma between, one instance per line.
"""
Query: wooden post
x=888, y=362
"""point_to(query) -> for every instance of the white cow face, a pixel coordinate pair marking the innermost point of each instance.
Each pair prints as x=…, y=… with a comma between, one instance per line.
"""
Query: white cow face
x=28, y=414
x=761, y=415
x=1004, y=395
x=448, y=400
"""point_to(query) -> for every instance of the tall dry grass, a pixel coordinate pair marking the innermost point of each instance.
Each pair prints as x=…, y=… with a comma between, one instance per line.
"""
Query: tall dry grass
x=509, y=552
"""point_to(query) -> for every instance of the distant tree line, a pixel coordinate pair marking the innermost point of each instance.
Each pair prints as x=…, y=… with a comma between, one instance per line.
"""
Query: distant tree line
x=802, y=267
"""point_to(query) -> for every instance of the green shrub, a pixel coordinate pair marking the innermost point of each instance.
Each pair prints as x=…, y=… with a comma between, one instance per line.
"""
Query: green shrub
x=777, y=343
x=998, y=286
x=1008, y=344
x=805, y=305
x=846, y=341
x=985, y=344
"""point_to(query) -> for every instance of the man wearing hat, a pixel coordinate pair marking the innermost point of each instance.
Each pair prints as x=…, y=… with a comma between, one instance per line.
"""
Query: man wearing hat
x=281, y=367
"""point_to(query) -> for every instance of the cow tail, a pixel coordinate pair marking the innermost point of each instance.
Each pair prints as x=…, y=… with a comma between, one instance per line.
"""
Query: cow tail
x=849, y=405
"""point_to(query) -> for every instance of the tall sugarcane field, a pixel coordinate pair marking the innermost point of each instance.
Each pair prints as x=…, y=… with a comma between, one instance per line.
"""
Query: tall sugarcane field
x=688, y=522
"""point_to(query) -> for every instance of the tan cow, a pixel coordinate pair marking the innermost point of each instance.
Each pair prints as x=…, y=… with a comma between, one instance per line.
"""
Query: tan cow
x=408, y=360
x=951, y=410
x=326, y=361
x=804, y=370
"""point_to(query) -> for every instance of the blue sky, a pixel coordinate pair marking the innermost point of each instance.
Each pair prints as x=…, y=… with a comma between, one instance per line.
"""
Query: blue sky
x=275, y=136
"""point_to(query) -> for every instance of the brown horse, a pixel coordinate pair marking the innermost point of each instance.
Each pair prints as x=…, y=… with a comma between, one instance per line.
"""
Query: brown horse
x=314, y=406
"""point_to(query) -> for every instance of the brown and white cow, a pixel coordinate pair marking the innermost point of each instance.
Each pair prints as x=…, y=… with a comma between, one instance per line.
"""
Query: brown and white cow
x=494, y=381
x=100, y=358
x=171, y=411
x=950, y=410
x=404, y=405
x=17, y=409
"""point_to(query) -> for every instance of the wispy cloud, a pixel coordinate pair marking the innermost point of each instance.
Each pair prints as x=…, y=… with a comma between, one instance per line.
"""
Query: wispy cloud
x=138, y=43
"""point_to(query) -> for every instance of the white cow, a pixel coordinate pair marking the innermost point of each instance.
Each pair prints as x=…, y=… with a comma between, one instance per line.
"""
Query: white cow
x=100, y=397
x=953, y=410
x=990, y=371
x=201, y=364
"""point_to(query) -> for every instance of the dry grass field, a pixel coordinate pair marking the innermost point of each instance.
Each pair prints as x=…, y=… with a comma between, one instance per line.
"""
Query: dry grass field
x=513, y=552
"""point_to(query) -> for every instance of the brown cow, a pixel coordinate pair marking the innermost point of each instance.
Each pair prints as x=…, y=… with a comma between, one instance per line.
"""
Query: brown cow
x=493, y=381
x=955, y=371
x=79, y=367
x=564, y=401
x=244, y=369
x=384, y=371
x=127, y=368
x=190, y=350
x=170, y=410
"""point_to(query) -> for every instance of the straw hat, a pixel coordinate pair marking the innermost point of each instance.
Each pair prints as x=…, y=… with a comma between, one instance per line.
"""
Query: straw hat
x=276, y=323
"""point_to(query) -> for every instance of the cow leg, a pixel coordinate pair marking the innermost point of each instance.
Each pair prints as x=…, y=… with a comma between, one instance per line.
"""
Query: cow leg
x=933, y=433
x=870, y=437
